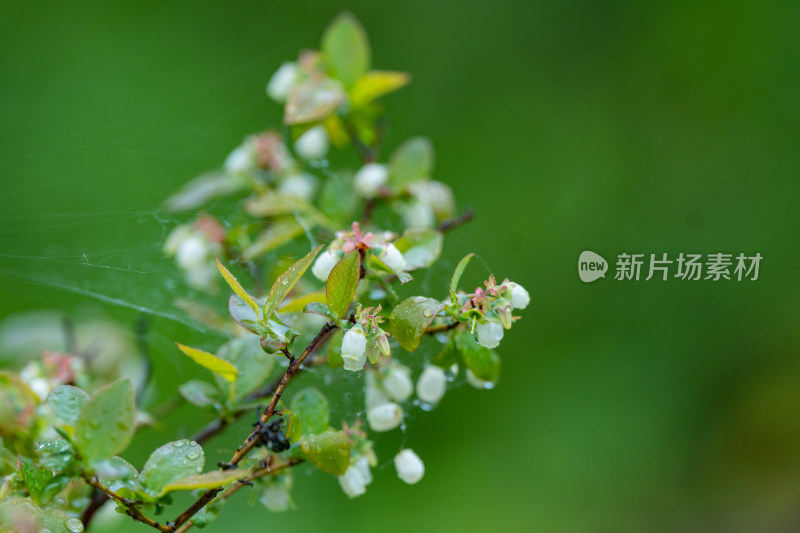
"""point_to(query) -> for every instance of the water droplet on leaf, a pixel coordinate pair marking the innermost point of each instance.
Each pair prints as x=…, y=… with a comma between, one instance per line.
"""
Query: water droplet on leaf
x=73, y=524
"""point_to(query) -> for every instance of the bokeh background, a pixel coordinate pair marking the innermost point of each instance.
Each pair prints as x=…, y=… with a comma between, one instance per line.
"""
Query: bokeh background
x=610, y=126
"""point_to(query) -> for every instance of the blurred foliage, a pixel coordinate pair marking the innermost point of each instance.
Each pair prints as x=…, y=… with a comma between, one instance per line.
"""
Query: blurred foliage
x=615, y=127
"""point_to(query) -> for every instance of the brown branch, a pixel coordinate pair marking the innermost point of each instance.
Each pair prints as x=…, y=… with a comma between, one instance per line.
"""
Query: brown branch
x=218, y=424
x=128, y=506
x=255, y=437
x=96, y=501
x=439, y=328
x=267, y=470
x=452, y=223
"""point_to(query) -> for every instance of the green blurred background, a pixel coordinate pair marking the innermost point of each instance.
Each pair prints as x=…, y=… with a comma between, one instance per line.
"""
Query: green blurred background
x=610, y=126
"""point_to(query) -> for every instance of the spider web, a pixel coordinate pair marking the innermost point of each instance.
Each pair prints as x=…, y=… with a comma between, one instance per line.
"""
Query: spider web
x=95, y=234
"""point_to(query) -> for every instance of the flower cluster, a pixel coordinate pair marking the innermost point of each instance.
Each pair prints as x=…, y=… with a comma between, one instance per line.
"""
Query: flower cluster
x=381, y=223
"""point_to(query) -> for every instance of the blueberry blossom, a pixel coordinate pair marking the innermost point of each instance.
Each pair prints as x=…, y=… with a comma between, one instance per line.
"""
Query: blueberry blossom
x=301, y=186
x=194, y=247
x=241, y=159
x=282, y=82
x=397, y=382
x=519, y=296
x=313, y=144
x=489, y=334
x=324, y=264
x=432, y=384
x=409, y=466
x=356, y=478
x=354, y=349
x=392, y=257
x=370, y=178
x=385, y=417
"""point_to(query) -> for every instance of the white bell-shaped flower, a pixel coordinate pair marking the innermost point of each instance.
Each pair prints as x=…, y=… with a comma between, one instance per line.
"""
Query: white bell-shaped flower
x=417, y=214
x=489, y=334
x=282, y=82
x=241, y=159
x=393, y=258
x=519, y=296
x=370, y=178
x=313, y=144
x=354, y=350
x=432, y=384
x=356, y=478
x=397, y=383
x=409, y=466
x=276, y=498
x=324, y=264
x=192, y=252
x=385, y=417
x=301, y=186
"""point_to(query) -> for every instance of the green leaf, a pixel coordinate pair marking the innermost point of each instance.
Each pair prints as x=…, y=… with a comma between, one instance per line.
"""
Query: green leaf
x=245, y=316
x=311, y=406
x=253, y=365
x=412, y=161
x=36, y=479
x=287, y=280
x=328, y=451
x=277, y=234
x=482, y=362
x=410, y=318
x=55, y=454
x=209, y=480
x=294, y=428
x=321, y=309
x=376, y=264
x=211, y=362
x=16, y=399
x=420, y=247
x=459, y=271
x=342, y=284
x=237, y=288
x=54, y=486
x=170, y=463
x=57, y=521
x=208, y=513
x=116, y=473
x=67, y=402
x=346, y=48
x=106, y=422
x=296, y=305
x=375, y=84
x=201, y=394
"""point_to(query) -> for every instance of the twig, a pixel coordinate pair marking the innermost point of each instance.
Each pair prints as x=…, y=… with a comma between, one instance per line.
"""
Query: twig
x=218, y=424
x=452, y=223
x=128, y=506
x=247, y=481
x=96, y=501
x=254, y=438
x=439, y=328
